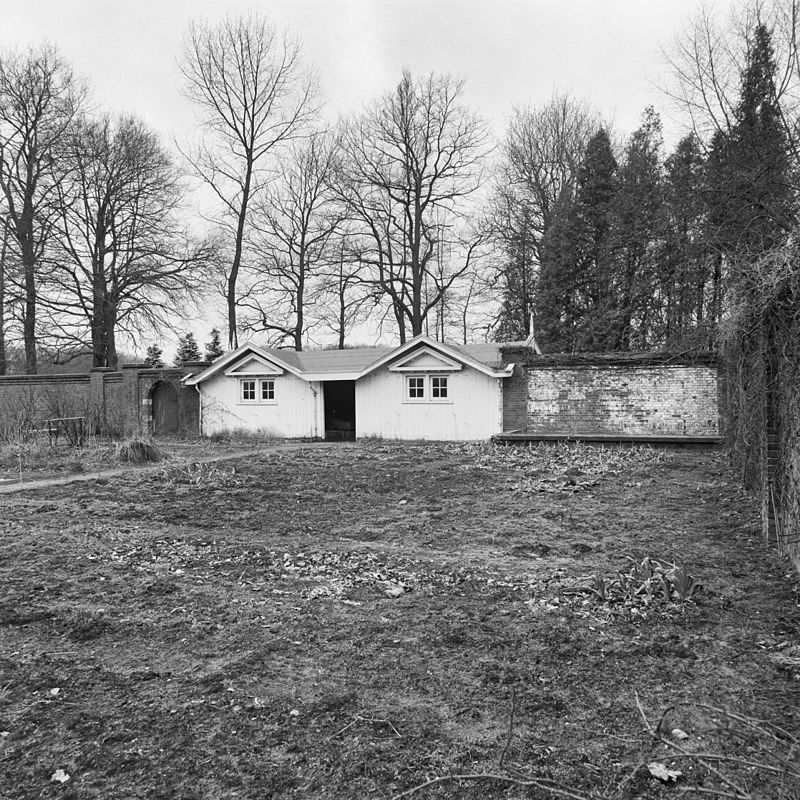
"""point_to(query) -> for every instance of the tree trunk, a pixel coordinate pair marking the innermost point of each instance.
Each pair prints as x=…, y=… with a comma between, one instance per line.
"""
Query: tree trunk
x=97, y=323
x=111, y=335
x=301, y=287
x=29, y=315
x=3, y=252
x=233, y=275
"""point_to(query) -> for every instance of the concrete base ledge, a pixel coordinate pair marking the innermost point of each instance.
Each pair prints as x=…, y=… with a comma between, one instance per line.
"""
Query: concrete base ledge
x=644, y=438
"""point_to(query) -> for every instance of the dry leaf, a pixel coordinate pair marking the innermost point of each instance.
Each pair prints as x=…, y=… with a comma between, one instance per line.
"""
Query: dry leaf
x=59, y=776
x=658, y=770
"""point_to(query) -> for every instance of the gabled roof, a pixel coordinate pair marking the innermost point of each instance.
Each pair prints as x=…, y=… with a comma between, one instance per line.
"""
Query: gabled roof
x=354, y=363
x=277, y=357
x=493, y=368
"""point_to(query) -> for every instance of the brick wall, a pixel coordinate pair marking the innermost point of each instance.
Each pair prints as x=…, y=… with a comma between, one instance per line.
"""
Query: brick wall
x=27, y=400
x=642, y=395
x=515, y=389
x=113, y=402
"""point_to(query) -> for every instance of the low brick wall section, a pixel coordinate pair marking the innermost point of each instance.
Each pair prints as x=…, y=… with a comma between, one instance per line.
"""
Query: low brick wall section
x=641, y=395
x=112, y=402
x=27, y=400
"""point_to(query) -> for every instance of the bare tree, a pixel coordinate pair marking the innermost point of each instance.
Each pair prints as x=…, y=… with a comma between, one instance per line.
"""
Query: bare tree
x=38, y=99
x=4, y=259
x=542, y=151
x=708, y=57
x=292, y=225
x=409, y=164
x=343, y=294
x=247, y=80
x=121, y=261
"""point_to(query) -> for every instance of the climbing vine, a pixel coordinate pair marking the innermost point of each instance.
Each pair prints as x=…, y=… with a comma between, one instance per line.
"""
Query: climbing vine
x=761, y=343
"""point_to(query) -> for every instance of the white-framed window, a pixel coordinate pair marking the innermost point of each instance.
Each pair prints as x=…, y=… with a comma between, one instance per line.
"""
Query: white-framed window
x=415, y=387
x=439, y=387
x=257, y=390
x=427, y=389
x=248, y=394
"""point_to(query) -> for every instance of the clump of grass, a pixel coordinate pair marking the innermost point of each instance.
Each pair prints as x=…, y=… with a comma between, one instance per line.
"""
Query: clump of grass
x=242, y=435
x=138, y=450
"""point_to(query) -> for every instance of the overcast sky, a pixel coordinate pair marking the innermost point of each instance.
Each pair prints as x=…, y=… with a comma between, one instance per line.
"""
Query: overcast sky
x=510, y=51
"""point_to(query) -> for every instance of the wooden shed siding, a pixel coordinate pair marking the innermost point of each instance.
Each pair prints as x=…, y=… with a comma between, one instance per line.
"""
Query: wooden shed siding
x=292, y=414
x=475, y=410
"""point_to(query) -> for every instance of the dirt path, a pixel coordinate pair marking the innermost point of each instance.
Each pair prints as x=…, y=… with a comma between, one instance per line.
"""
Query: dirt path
x=9, y=486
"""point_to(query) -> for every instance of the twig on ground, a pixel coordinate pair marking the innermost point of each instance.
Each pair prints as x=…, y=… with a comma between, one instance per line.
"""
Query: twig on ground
x=554, y=787
x=510, y=726
x=372, y=720
x=740, y=794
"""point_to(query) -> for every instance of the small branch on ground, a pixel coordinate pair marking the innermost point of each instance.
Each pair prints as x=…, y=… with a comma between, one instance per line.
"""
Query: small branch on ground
x=372, y=720
x=554, y=787
x=510, y=727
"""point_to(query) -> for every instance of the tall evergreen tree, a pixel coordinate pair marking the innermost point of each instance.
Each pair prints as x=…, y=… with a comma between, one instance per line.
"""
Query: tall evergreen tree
x=575, y=297
x=750, y=203
x=558, y=308
x=637, y=223
x=689, y=280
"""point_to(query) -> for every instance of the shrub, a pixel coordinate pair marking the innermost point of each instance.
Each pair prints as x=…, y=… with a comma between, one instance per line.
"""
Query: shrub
x=138, y=450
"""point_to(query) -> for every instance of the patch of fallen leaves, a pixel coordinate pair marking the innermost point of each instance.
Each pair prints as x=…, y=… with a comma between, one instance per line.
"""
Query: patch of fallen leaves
x=563, y=467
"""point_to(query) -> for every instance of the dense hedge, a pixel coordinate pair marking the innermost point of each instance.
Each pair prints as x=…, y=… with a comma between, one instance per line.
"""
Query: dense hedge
x=762, y=357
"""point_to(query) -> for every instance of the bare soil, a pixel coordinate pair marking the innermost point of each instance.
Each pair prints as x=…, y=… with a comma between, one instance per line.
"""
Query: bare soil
x=40, y=459
x=352, y=622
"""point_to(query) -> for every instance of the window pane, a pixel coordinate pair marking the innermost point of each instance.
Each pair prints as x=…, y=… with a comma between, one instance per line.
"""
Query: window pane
x=267, y=390
x=248, y=390
x=439, y=387
x=416, y=388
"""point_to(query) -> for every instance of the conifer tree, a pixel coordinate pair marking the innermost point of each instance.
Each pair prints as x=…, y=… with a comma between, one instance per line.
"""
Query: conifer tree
x=637, y=227
x=214, y=347
x=187, y=350
x=689, y=279
x=750, y=208
x=575, y=296
x=154, y=356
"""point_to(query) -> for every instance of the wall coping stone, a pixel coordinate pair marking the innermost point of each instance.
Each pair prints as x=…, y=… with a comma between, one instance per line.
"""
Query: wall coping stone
x=632, y=359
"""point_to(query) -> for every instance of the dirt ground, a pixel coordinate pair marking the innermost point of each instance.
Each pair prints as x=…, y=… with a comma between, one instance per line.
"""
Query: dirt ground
x=354, y=622
x=41, y=459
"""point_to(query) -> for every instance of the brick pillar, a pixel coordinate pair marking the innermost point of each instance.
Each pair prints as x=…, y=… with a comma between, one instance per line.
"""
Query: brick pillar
x=515, y=388
x=132, y=417
x=189, y=400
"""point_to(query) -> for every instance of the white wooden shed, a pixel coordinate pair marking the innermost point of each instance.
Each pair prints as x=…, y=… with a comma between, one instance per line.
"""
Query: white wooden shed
x=423, y=389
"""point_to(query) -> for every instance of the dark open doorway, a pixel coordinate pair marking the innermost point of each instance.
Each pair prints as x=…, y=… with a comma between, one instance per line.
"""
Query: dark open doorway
x=340, y=410
x=165, y=409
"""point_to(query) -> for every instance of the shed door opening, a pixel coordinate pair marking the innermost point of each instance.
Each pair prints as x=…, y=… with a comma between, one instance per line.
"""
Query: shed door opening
x=340, y=411
x=165, y=409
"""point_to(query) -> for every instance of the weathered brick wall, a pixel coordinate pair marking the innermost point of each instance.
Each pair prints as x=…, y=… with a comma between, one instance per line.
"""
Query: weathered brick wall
x=515, y=389
x=633, y=400
x=139, y=382
x=27, y=400
x=113, y=402
x=632, y=394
